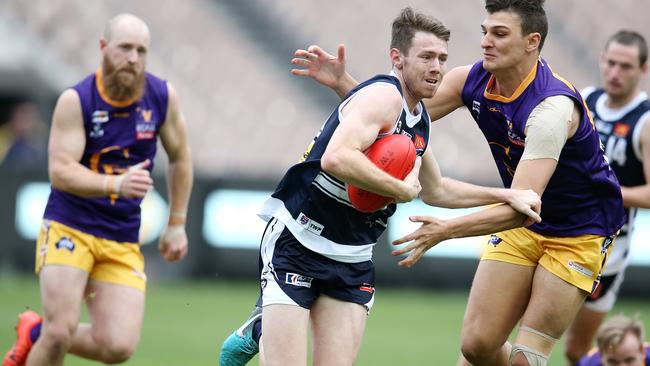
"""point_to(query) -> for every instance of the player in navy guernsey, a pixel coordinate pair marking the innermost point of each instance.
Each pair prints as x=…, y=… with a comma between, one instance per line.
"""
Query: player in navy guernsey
x=621, y=112
x=542, y=137
x=316, y=251
x=102, y=144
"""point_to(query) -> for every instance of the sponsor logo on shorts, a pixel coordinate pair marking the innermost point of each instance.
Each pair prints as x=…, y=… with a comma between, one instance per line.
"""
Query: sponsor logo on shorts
x=263, y=283
x=309, y=224
x=494, y=240
x=298, y=280
x=367, y=288
x=585, y=271
x=65, y=243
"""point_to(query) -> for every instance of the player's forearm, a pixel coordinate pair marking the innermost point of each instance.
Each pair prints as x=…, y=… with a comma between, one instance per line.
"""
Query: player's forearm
x=488, y=221
x=638, y=196
x=72, y=177
x=180, y=180
x=456, y=194
x=354, y=168
x=344, y=85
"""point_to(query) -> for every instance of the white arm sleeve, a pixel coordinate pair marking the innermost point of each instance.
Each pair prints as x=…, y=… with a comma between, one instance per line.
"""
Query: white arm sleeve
x=547, y=128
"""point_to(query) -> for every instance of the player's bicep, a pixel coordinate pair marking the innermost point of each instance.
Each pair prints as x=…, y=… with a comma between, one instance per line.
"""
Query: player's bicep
x=448, y=96
x=547, y=128
x=371, y=112
x=173, y=133
x=67, y=135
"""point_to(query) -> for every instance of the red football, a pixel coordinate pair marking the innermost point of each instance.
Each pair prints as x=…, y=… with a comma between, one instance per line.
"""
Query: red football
x=394, y=154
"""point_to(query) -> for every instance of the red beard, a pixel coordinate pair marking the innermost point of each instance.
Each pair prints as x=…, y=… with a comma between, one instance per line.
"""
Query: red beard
x=122, y=84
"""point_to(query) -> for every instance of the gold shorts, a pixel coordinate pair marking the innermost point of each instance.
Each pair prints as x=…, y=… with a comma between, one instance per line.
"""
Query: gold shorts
x=105, y=260
x=577, y=260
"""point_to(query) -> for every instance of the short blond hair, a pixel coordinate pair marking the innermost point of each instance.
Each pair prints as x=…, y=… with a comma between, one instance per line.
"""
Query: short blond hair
x=613, y=331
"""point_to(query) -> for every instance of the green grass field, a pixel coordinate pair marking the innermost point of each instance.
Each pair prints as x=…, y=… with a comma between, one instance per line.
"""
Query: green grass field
x=186, y=322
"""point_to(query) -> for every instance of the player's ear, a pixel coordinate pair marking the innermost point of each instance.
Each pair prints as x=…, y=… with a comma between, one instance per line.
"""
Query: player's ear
x=533, y=41
x=396, y=58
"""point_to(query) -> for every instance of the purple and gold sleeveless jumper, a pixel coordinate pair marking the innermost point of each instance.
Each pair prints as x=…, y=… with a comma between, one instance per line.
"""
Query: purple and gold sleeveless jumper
x=583, y=195
x=118, y=135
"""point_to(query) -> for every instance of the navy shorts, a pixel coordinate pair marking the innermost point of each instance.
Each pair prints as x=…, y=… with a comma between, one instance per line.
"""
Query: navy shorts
x=292, y=274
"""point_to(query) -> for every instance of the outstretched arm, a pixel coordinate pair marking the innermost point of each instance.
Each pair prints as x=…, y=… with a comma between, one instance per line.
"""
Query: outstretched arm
x=450, y=193
x=324, y=68
x=173, y=135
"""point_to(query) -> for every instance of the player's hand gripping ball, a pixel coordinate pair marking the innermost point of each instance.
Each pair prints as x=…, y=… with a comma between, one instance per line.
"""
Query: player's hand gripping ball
x=394, y=154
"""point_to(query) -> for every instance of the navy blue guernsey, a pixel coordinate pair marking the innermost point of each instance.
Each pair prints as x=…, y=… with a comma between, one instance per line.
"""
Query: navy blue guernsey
x=314, y=205
x=620, y=131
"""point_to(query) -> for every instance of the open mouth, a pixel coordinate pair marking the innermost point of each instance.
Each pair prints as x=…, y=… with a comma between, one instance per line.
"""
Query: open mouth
x=432, y=82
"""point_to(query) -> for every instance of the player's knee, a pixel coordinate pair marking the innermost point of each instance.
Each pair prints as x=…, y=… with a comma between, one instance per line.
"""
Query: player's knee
x=118, y=353
x=56, y=339
x=477, y=347
x=525, y=356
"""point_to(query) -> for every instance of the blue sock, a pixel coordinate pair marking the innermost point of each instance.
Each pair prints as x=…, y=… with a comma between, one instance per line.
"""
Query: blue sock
x=35, y=332
x=257, y=330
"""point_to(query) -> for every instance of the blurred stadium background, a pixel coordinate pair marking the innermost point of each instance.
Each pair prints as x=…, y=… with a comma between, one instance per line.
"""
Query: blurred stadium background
x=249, y=120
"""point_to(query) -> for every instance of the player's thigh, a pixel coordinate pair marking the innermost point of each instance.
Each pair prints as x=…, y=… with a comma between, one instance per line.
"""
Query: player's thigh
x=285, y=334
x=338, y=328
x=62, y=289
x=117, y=312
x=553, y=304
x=497, y=299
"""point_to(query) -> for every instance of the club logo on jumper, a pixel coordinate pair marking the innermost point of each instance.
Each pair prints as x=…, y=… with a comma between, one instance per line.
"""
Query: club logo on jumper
x=367, y=288
x=309, y=224
x=514, y=137
x=495, y=240
x=295, y=279
x=580, y=269
x=65, y=243
x=621, y=129
x=144, y=128
x=419, y=142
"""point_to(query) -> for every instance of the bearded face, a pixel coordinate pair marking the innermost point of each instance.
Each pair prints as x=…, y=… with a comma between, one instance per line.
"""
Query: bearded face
x=122, y=82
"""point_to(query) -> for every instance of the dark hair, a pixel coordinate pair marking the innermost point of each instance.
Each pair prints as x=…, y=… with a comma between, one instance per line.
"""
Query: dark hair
x=631, y=38
x=531, y=12
x=408, y=22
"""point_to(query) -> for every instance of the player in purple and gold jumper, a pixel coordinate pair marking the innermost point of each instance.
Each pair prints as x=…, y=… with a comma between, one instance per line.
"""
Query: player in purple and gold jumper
x=620, y=342
x=102, y=145
x=542, y=137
